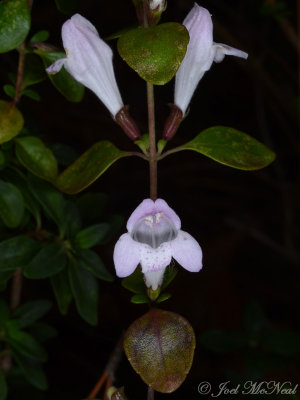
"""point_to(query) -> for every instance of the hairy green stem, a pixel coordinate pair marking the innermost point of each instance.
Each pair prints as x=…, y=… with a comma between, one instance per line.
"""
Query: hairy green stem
x=152, y=142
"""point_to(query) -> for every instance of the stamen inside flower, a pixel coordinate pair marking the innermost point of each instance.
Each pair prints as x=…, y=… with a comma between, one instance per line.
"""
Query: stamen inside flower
x=154, y=230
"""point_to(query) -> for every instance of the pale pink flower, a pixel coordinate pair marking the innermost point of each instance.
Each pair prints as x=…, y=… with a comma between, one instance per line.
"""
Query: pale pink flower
x=201, y=52
x=89, y=61
x=154, y=237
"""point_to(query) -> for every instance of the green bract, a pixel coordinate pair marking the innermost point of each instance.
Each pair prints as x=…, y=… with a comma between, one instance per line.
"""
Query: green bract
x=15, y=23
x=231, y=147
x=155, y=53
x=11, y=121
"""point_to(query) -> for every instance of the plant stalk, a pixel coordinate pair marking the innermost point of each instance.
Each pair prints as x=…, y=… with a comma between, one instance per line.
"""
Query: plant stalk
x=20, y=73
x=150, y=395
x=152, y=142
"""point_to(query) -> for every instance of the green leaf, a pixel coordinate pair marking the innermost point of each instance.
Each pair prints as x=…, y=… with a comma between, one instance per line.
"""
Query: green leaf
x=24, y=343
x=67, y=7
x=64, y=83
x=91, y=236
x=90, y=260
x=72, y=220
x=155, y=53
x=9, y=90
x=32, y=94
x=42, y=331
x=135, y=282
x=49, y=261
x=85, y=291
x=231, y=147
x=11, y=121
x=160, y=348
x=34, y=71
x=3, y=386
x=32, y=371
x=11, y=204
x=39, y=36
x=36, y=157
x=139, y=299
x=51, y=200
x=222, y=342
x=15, y=23
x=64, y=154
x=16, y=252
x=62, y=291
x=31, y=311
x=88, y=167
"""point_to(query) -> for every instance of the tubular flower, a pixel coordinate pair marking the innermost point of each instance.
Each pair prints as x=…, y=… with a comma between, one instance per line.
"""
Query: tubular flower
x=154, y=237
x=89, y=61
x=201, y=52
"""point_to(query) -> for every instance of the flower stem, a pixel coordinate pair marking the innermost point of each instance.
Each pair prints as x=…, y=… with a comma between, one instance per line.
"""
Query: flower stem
x=150, y=395
x=152, y=142
x=16, y=290
x=20, y=73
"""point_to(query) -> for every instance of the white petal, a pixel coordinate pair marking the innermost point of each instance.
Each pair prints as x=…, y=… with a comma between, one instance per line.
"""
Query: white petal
x=56, y=66
x=155, y=259
x=154, y=279
x=187, y=252
x=126, y=255
x=89, y=61
x=198, y=58
x=222, y=49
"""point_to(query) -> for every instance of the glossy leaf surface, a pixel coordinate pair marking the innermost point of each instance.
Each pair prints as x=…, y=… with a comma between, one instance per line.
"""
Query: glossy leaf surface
x=88, y=167
x=16, y=252
x=231, y=147
x=160, y=347
x=11, y=121
x=11, y=204
x=15, y=23
x=36, y=157
x=155, y=53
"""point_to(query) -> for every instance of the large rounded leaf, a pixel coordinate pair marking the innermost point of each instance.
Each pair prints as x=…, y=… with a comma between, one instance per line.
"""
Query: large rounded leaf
x=11, y=121
x=155, y=53
x=231, y=147
x=88, y=167
x=15, y=23
x=160, y=347
x=36, y=157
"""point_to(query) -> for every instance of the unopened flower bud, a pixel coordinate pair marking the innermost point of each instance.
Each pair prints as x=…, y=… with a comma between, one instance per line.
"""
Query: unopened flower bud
x=173, y=121
x=128, y=125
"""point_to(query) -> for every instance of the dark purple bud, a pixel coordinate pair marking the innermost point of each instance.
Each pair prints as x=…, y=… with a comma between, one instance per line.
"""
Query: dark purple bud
x=128, y=125
x=173, y=121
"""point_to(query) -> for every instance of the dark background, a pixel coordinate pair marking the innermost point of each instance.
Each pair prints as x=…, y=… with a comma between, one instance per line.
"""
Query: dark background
x=245, y=222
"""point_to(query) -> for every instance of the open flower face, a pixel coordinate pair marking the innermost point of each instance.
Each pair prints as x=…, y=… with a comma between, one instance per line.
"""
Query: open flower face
x=89, y=61
x=201, y=52
x=154, y=237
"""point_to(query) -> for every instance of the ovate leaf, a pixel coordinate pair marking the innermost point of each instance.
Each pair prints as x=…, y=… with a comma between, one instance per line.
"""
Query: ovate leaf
x=31, y=311
x=32, y=370
x=62, y=291
x=16, y=252
x=155, y=53
x=88, y=167
x=11, y=204
x=39, y=36
x=85, y=291
x=160, y=347
x=11, y=121
x=90, y=260
x=36, y=157
x=15, y=23
x=231, y=147
x=91, y=236
x=64, y=83
x=50, y=260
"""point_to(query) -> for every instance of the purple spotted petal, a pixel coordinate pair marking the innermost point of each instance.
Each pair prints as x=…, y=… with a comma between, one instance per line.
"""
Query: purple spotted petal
x=126, y=255
x=155, y=259
x=161, y=206
x=145, y=208
x=187, y=252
